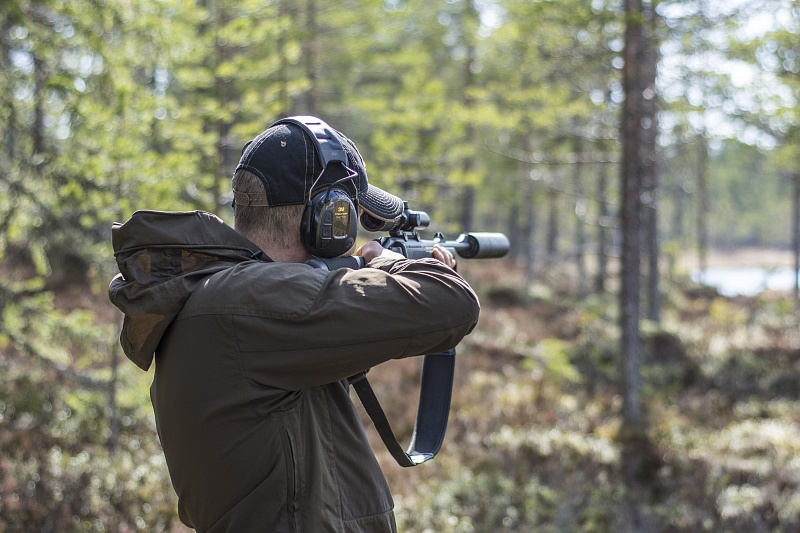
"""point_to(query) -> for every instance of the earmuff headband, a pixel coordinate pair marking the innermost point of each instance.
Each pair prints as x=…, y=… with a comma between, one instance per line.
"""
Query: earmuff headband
x=328, y=145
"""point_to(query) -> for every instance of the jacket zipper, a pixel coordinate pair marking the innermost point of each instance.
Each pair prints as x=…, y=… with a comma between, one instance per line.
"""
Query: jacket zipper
x=291, y=478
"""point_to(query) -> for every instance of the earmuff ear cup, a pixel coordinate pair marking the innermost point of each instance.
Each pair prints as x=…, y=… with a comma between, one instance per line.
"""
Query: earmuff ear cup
x=330, y=224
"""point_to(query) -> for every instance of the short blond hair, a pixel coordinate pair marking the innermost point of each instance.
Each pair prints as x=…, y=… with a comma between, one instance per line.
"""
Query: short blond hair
x=278, y=225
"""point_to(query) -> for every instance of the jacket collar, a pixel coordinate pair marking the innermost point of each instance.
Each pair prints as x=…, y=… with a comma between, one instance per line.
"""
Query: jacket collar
x=162, y=257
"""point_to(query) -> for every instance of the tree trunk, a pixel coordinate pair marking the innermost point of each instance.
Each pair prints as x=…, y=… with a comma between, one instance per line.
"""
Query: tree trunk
x=649, y=124
x=222, y=90
x=580, y=217
x=795, y=178
x=602, y=232
x=630, y=217
x=283, y=70
x=310, y=53
x=467, y=208
x=113, y=384
x=468, y=165
x=529, y=201
x=530, y=229
x=640, y=462
x=40, y=81
x=552, y=222
x=703, y=204
x=514, y=231
x=678, y=219
x=653, y=260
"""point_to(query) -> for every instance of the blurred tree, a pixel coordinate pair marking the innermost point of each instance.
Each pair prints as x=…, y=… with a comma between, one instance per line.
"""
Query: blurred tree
x=703, y=201
x=638, y=148
x=777, y=54
x=649, y=164
x=692, y=83
x=421, y=104
x=630, y=214
x=548, y=67
x=712, y=52
x=236, y=79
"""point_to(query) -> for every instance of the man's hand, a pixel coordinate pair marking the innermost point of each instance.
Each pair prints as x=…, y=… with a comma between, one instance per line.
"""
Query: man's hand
x=373, y=249
x=444, y=255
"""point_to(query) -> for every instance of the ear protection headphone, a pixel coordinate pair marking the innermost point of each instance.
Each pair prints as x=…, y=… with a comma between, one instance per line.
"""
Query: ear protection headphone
x=330, y=223
x=330, y=219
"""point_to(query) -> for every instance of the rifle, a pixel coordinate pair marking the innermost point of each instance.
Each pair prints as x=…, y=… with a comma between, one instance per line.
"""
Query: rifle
x=404, y=239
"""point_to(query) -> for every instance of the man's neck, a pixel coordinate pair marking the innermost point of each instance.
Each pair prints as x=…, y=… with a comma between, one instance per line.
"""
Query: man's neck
x=286, y=255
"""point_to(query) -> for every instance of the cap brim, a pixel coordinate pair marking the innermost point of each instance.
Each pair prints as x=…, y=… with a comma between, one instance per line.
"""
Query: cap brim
x=380, y=203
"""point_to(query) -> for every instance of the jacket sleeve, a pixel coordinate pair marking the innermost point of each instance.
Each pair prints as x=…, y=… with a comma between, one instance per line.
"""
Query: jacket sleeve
x=312, y=327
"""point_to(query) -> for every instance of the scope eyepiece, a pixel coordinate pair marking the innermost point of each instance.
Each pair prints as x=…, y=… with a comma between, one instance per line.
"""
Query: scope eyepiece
x=371, y=223
x=408, y=221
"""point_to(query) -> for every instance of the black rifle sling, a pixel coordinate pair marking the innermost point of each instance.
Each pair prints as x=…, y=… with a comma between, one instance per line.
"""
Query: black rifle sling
x=434, y=408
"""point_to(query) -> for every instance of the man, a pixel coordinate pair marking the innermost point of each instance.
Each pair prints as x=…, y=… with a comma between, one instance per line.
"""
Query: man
x=253, y=347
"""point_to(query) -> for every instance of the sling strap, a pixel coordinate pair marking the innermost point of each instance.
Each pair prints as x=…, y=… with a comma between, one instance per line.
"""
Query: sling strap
x=432, y=412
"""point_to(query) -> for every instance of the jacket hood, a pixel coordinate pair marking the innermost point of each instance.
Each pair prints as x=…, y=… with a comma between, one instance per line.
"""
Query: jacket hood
x=162, y=257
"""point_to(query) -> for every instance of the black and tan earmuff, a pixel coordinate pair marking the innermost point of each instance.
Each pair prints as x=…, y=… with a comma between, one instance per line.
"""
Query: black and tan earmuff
x=330, y=223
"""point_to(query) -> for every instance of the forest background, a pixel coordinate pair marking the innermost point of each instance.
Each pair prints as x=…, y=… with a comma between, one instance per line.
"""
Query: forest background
x=609, y=140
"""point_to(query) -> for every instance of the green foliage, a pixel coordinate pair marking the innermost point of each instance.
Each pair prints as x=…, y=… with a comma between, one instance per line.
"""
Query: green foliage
x=555, y=355
x=743, y=189
x=473, y=502
x=62, y=468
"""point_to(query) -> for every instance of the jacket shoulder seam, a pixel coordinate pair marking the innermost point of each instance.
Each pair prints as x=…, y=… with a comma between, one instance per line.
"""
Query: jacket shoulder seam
x=234, y=309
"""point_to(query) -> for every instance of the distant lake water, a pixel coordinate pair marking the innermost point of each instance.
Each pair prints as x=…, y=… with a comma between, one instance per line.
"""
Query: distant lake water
x=746, y=281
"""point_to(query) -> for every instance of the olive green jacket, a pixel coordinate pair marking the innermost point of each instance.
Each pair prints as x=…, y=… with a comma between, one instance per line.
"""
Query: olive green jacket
x=250, y=394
